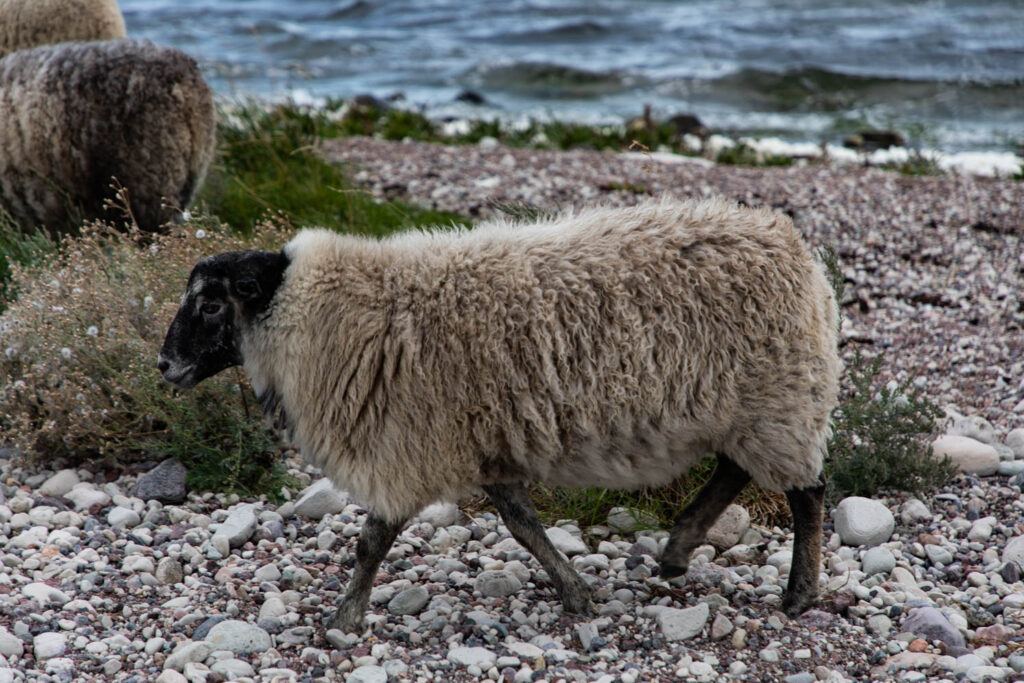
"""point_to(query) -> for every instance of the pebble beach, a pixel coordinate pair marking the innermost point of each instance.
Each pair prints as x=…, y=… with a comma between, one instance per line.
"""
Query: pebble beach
x=126, y=576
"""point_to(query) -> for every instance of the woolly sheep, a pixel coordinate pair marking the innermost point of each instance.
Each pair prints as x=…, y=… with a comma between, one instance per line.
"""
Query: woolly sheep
x=31, y=23
x=611, y=348
x=75, y=116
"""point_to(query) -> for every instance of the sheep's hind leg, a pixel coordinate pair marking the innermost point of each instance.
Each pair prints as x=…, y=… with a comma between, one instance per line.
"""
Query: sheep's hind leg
x=375, y=539
x=691, y=526
x=807, y=506
x=520, y=516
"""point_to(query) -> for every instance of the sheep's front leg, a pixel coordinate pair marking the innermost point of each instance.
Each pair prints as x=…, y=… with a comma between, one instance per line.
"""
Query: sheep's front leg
x=691, y=526
x=375, y=540
x=807, y=506
x=519, y=515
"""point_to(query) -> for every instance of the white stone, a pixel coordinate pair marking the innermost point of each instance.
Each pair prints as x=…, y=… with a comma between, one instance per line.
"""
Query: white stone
x=878, y=560
x=45, y=594
x=240, y=524
x=10, y=644
x=968, y=455
x=472, y=656
x=1014, y=551
x=188, y=651
x=85, y=495
x=273, y=606
x=1015, y=440
x=233, y=669
x=123, y=518
x=681, y=624
x=268, y=572
x=1008, y=468
x=730, y=525
x=368, y=674
x=914, y=511
x=862, y=521
x=59, y=484
x=319, y=499
x=566, y=542
x=171, y=676
x=238, y=636
x=525, y=650
x=50, y=644
x=973, y=427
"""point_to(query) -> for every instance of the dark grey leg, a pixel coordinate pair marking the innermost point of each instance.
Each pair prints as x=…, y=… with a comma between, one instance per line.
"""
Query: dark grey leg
x=520, y=517
x=692, y=524
x=807, y=506
x=375, y=539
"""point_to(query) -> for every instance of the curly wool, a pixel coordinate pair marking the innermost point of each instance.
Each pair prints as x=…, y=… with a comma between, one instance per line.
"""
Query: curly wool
x=612, y=347
x=75, y=116
x=30, y=23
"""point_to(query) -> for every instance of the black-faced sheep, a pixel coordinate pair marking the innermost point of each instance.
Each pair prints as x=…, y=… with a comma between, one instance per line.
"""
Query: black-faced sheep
x=75, y=116
x=612, y=348
x=30, y=23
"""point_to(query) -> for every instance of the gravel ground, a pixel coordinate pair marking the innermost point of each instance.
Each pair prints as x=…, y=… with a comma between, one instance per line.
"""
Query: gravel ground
x=935, y=266
x=121, y=577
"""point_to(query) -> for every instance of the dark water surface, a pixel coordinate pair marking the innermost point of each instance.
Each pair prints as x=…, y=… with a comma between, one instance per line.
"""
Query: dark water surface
x=950, y=73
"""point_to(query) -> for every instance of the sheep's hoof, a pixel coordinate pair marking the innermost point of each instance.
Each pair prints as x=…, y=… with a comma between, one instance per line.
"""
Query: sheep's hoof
x=578, y=603
x=671, y=571
x=794, y=605
x=347, y=621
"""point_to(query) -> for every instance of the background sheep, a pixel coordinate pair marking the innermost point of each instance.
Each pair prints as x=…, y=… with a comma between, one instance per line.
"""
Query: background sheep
x=31, y=23
x=611, y=348
x=74, y=116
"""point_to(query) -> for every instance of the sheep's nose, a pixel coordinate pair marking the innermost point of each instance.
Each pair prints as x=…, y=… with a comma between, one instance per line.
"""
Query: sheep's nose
x=162, y=364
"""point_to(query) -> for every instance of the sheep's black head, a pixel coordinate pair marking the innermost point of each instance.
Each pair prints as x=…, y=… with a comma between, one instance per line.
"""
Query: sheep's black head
x=226, y=293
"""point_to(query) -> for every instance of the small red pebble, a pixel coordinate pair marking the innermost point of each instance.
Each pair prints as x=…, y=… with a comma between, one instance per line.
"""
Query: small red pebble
x=918, y=645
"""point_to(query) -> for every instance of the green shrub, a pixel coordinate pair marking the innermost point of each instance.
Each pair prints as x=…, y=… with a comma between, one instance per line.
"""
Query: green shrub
x=78, y=380
x=267, y=164
x=17, y=247
x=880, y=436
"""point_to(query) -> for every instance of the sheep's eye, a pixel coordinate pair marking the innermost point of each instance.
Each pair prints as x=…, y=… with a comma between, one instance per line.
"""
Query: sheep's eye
x=211, y=308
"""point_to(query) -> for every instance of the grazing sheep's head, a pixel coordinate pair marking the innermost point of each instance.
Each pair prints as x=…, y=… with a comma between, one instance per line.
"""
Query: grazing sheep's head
x=226, y=294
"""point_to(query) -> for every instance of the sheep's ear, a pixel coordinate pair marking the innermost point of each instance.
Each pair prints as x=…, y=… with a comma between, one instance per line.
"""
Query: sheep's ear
x=247, y=287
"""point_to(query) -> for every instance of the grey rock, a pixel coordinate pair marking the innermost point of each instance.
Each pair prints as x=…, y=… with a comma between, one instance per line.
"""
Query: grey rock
x=1015, y=440
x=45, y=594
x=232, y=669
x=1008, y=468
x=931, y=624
x=240, y=525
x=879, y=624
x=914, y=511
x=410, y=601
x=48, y=645
x=566, y=542
x=319, y=499
x=681, y=624
x=628, y=520
x=367, y=674
x=165, y=483
x=472, y=656
x=204, y=628
x=169, y=571
x=938, y=555
x=878, y=560
x=729, y=527
x=59, y=484
x=802, y=677
x=1014, y=551
x=10, y=644
x=186, y=653
x=973, y=427
x=862, y=521
x=239, y=637
x=497, y=583
x=721, y=627
x=969, y=455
